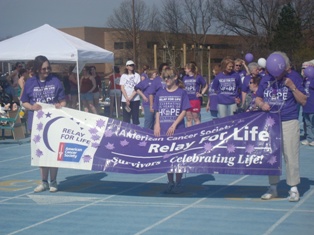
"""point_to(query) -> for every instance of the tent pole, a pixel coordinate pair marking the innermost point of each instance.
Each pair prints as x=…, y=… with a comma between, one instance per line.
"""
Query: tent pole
x=78, y=84
x=115, y=95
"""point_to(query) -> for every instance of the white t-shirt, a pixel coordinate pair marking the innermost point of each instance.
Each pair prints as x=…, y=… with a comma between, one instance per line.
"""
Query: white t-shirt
x=129, y=81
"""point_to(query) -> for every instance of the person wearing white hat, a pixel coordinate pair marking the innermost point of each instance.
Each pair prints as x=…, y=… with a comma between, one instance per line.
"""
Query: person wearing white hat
x=130, y=99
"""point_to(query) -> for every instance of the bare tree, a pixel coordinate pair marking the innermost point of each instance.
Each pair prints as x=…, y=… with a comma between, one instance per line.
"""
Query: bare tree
x=251, y=19
x=198, y=18
x=145, y=19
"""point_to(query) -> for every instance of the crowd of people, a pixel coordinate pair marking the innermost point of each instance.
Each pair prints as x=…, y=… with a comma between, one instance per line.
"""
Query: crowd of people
x=235, y=87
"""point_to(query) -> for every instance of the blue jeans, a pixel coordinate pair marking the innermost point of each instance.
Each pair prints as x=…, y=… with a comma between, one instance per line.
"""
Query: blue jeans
x=309, y=126
x=225, y=110
x=149, y=117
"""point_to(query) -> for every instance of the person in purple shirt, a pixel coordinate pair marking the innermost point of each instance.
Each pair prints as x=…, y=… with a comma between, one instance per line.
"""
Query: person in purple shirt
x=156, y=85
x=195, y=86
x=170, y=105
x=308, y=108
x=212, y=99
x=238, y=65
x=227, y=85
x=43, y=88
x=142, y=89
x=254, y=72
x=282, y=94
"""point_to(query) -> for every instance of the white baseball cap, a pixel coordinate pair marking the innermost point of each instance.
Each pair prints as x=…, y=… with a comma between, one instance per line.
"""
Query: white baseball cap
x=129, y=62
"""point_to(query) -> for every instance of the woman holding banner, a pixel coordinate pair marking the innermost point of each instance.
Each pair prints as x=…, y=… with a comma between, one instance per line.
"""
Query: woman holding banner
x=281, y=92
x=43, y=88
x=173, y=97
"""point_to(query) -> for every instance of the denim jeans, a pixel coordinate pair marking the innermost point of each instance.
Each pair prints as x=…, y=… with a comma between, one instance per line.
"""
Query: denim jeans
x=309, y=126
x=149, y=118
x=225, y=110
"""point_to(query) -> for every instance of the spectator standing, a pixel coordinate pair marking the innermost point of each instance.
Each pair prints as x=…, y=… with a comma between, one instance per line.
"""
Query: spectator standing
x=142, y=89
x=98, y=89
x=87, y=85
x=196, y=87
x=130, y=100
x=227, y=85
x=115, y=91
x=308, y=108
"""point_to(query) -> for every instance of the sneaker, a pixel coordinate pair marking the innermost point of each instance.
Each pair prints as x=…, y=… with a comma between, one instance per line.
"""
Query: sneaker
x=53, y=186
x=271, y=193
x=178, y=188
x=305, y=142
x=169, y=188
x=311, y=143
x=294, y=196
x=42, y=187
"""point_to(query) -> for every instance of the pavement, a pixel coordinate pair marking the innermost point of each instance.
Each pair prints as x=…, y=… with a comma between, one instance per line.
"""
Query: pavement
x=113, y=203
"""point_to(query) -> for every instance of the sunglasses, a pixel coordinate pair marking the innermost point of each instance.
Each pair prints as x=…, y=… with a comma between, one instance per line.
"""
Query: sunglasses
x=46, y=69
x=238, y=65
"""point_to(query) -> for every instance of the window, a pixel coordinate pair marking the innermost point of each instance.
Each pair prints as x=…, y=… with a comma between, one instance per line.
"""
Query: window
x=150, y=45
x=118, y=45
x=128, y=45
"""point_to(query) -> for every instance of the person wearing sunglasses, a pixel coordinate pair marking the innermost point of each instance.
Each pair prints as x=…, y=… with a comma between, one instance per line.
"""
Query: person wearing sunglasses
x=43, y=88
x=130, y=99
x=170, y=105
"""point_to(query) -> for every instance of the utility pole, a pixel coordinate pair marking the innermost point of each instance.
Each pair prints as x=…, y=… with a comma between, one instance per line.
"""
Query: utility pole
x=134, y=32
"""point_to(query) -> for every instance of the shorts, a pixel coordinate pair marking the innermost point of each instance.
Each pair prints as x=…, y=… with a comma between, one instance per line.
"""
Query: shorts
x=96, y=95
x=87, y=96
x=195, y=106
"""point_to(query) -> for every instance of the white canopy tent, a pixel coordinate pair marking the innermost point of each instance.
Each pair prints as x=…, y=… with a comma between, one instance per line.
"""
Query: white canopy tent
x=56, y=45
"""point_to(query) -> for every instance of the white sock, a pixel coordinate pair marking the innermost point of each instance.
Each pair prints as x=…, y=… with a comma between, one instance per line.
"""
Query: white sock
x=294, y=189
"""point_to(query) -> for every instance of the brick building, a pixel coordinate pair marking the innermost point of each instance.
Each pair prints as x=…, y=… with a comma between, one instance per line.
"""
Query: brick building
x=168, y=47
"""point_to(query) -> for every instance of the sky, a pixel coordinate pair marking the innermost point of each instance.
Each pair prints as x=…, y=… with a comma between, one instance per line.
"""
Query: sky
x=20, y=16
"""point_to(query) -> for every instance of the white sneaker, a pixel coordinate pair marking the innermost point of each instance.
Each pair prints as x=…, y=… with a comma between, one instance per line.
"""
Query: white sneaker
x=305, y=142
x=271, y=193
x=294, y=196
x=53, y=186
x=311, y=143
x=42, y=187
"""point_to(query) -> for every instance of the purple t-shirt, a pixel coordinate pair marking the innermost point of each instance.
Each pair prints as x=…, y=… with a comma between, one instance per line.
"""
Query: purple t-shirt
x=143, y=86
x=157, y=84
x=279, y=97
x=192, y=85
x=170, y=105
x=228, y=87
x=212, y=98
x=50, y=91
x=309, y=90
x=242, y=74
x=246, y=84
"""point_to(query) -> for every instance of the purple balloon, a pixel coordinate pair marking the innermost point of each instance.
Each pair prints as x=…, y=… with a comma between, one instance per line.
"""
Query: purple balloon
x=249, y=57
x=275, y=64
x=309, y=72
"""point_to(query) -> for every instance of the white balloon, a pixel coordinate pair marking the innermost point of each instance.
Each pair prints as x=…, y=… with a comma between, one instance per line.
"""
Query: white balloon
x=262, y=62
